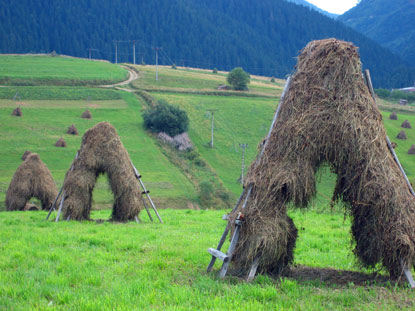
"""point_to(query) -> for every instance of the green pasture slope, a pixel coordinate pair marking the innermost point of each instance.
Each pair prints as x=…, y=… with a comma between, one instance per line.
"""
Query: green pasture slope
x=149, y=266
x=58, y=70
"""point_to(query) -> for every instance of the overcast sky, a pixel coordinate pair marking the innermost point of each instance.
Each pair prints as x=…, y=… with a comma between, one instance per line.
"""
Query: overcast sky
x=334, y=6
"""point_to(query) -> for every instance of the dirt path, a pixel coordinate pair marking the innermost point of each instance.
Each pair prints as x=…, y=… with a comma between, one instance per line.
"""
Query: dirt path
x=133, y=76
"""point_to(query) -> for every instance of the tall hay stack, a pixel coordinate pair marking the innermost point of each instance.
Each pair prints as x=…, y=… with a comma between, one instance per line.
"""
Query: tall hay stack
x=32, y=179
x=101, y=152
x=328, y=116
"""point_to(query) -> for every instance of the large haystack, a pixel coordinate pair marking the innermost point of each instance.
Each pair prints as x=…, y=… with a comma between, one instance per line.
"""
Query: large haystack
x=401, y=135
x=102, y=152
x=60, y=143
x=17, y=112
x=406, y=124
x=32, y=179
x=86, y=115
x=328, y=116
x=393, y=116
x=72, y=130
x=26, y=154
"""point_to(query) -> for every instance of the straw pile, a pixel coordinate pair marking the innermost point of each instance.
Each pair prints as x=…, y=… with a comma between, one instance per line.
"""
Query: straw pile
x=72, y=130
x=101, y=152
x=328, y=116
x=406, y=124
x=86, y=115
x=32, y=179
x=411, y=150
x=60, y=142
x=26, y=154
x=17, y=112
x=401, y=135
x=393, y=116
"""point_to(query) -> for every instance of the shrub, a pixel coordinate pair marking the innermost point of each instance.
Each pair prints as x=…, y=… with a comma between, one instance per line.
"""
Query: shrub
x=173, y=66
x=238, y=78
x=206, y=193
x=215, y=70
x=272, y=79
x=164, y=117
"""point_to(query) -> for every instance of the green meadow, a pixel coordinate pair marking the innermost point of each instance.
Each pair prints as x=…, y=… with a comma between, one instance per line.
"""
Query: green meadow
x=95, y=265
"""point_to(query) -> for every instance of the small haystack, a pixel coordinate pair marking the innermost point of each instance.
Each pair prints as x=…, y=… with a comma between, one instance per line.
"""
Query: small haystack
x=30, y=207
x=411, y=150
x=60, y=142
x=401, y=135
x=32, y=179
x=328, y=117
x=26, y=154
x=17, y=112
x=72, y=130
x=86, y=115
x=406, y=124
x=102, y=152
x=393, y=116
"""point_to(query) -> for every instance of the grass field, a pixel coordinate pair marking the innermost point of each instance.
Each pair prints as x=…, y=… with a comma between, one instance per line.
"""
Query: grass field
x=91, y=266
x=59, y=70
x=45, y=121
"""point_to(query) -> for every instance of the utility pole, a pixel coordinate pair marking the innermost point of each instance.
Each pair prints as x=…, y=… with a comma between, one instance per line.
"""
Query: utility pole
x=90, y=51
x=157, y=56
x=212, y=111
x=116, y=51
x=243, y=146
x=134, y=52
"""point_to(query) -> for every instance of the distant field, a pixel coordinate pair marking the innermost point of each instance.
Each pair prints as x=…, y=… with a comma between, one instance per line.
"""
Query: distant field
x=45, y=121
x=149, y=266
x=197, y=80
x=59, y=70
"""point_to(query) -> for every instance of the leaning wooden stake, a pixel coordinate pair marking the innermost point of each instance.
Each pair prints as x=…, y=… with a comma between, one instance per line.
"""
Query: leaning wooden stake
x=146, y=192
x=216, y=253
x=405, y=266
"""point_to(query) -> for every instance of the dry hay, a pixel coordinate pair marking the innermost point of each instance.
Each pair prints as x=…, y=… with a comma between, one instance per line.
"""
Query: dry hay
x=72, y=130
x=30, y=207
x=411, y=150
x=32, y=179
x=86, y=115
x=406, y=124
x=393, y=116
x=60, y=142
x=328, y=117
x=17, y=112
x=401, y=135
x=26, y=154
x=101, y=152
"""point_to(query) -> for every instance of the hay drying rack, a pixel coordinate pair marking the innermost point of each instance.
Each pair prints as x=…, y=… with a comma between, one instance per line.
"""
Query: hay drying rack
x=143, y=192
x=226, y=258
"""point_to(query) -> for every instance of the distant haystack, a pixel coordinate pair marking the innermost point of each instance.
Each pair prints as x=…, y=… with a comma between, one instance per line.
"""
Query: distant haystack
x=411, y=150
x=72, y=130
x=86, y=115
x=406, y=124
x=401, y=135
x=60, y=143
x=17, y=112
x=101, y=152
x=32, y=179
x=26, y=154
x=393, y=116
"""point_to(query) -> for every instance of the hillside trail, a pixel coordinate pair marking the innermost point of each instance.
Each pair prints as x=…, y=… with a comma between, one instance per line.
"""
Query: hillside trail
x=133, y=75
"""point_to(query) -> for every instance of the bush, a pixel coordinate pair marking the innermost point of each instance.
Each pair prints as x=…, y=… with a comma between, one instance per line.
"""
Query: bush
x=166, y=118
x=173, y=66
x=272, y=79
x=238, y=78
x=206, y=193
x=215, y=70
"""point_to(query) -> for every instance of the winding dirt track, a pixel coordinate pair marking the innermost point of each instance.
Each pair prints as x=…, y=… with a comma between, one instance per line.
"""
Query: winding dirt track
x=133, y=76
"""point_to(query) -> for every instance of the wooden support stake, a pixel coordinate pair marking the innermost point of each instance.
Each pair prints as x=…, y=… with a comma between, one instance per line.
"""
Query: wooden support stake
x=60, y=207
x=252, y=271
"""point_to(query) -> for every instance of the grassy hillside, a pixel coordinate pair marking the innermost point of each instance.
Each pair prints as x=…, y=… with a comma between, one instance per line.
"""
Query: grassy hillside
x=59, y=70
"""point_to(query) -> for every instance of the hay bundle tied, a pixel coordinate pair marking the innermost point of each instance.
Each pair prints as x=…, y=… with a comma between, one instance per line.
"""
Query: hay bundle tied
x=393, y=116
x=401, y=135
x=26, y=154
x=406, y=124
x=72, y=130
x=17, y=112
x=101, y=152
x=32, y=179
x=411, y=150
x=328, y=117
x=86, y=115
